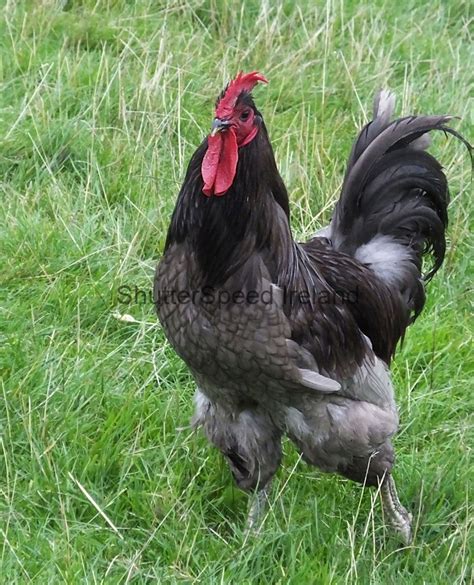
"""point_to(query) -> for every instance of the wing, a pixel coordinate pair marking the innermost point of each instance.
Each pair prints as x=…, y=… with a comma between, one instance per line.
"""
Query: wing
x=359, y=302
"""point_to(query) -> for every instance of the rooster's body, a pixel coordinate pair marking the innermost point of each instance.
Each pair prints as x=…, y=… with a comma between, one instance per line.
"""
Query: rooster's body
x=296, y=339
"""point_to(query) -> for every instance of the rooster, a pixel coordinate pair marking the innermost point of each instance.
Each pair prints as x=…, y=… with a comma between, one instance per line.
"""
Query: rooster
x=296, y=339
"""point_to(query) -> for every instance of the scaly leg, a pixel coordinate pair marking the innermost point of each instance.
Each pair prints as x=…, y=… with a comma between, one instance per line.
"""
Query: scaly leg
x=399, y=517
x=258, y=504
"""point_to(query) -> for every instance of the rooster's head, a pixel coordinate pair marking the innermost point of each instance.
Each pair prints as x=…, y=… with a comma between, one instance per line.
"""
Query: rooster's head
x=236, y=123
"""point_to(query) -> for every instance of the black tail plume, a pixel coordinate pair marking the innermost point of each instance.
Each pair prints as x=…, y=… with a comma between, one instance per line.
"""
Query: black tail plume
x=393, y=205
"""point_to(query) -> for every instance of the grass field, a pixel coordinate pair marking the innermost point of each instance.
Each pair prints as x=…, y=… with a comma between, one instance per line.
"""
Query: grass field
x=101, y=105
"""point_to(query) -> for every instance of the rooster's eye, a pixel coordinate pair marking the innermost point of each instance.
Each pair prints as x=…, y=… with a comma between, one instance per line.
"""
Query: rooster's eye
x=244, y=115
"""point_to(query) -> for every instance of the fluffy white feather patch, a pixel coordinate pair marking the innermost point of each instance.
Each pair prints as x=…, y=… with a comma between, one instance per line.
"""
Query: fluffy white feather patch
x=386, y=257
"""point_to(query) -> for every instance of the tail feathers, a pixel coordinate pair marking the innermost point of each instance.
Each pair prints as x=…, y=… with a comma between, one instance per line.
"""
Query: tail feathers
x=384, y=105
x=393, y=205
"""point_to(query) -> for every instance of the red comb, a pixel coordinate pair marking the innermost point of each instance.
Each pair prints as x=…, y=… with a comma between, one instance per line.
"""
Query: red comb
x=239, y=84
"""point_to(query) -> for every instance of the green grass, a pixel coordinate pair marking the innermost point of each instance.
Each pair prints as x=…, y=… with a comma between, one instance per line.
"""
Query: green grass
x=101, y=105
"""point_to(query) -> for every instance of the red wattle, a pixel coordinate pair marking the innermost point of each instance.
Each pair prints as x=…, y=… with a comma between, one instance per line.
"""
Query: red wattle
x=210, y=162
x=219, y=163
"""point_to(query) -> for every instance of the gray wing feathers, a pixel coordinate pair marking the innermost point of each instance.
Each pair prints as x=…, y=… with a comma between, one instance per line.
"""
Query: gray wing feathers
x=315, y=381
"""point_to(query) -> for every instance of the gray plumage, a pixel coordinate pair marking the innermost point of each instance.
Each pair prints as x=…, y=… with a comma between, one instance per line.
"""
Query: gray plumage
x=315, y=371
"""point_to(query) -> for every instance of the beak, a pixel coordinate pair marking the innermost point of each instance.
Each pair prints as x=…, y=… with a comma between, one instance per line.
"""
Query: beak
x=218, y=125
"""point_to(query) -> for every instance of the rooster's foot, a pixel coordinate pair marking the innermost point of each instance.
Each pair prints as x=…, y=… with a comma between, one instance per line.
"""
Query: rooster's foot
x=258, y=504
x=399, y=517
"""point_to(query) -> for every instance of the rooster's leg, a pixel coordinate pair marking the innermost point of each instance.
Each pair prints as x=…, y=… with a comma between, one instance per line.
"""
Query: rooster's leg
x=251, y=444
x=257, y=507
x=399, y=517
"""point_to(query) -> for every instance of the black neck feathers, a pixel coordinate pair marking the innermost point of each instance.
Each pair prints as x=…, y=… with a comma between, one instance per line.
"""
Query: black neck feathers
x=223, y=232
